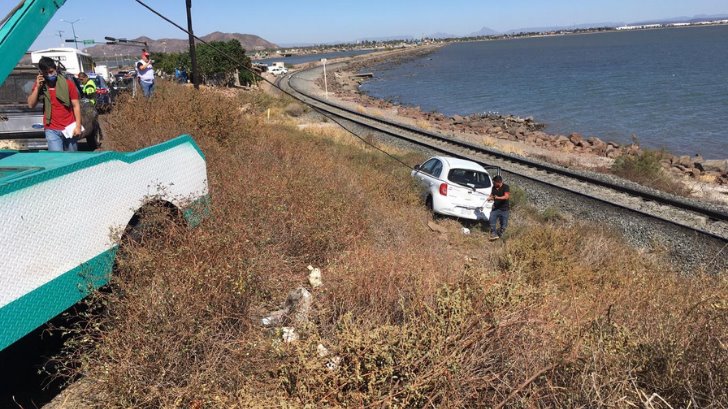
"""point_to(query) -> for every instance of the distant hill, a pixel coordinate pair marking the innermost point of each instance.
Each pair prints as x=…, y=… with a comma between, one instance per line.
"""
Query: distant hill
x=559, y=28
x=485, y=31
x=249, y=42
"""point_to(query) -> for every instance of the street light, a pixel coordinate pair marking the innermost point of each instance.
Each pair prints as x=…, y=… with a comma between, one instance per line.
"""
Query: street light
x=75, y=39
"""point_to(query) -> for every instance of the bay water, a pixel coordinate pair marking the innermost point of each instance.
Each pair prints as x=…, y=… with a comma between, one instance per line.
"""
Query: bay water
x=667, y=87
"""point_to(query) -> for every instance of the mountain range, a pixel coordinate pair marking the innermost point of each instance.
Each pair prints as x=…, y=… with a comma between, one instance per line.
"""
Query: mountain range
x=249, y=42
x=485, y=31
x=252, y=42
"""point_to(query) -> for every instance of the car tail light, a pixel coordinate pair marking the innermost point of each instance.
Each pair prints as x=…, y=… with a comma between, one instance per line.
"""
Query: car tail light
x=443, y=189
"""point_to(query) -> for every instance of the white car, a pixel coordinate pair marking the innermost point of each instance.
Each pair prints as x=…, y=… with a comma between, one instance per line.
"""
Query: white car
x=277, y=70
x=455, y=187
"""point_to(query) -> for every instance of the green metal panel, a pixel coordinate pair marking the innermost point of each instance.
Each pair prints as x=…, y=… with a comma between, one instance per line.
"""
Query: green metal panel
x=47, y=301
x=21, y=30
x=42, y=304
x=62, y=163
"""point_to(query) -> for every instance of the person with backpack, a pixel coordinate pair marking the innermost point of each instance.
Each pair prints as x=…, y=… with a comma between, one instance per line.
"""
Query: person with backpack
x=61, y=109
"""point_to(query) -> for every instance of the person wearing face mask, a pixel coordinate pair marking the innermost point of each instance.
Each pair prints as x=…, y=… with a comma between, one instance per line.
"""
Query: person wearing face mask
x=60, y=106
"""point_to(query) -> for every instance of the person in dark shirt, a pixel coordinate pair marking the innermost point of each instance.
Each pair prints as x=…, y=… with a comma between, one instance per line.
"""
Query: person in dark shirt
x=500, y=195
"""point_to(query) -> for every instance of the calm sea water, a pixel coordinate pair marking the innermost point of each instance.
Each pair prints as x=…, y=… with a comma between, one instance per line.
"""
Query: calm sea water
x=668, y=87
x=300, y=59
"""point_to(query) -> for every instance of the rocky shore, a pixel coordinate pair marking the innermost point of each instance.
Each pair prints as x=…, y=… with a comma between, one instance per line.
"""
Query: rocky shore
x=706, y=179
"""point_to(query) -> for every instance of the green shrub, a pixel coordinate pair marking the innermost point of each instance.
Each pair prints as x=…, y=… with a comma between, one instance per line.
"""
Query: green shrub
x=518, y=197
x=645, y=168
x=552, y=215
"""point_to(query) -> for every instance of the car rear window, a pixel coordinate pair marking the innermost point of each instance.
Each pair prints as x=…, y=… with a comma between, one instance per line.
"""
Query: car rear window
x=468, y=177
x=16, y=88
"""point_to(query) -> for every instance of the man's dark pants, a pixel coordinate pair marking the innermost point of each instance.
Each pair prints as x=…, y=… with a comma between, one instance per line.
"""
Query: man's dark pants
x=494, y=216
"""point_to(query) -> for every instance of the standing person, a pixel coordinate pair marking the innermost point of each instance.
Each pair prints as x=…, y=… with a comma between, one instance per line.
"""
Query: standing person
x=61, y=108
x=88, y=87
x=145, y=73
x=500, y=196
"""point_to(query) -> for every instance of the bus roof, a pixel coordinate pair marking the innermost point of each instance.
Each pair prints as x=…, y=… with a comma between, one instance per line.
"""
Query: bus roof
x=35, y=55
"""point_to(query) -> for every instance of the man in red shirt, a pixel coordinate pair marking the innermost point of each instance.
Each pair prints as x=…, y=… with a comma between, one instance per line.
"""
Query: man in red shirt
x=61, y=108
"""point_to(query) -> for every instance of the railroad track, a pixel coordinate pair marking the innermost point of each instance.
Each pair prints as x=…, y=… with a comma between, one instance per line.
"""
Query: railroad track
x=695, y=221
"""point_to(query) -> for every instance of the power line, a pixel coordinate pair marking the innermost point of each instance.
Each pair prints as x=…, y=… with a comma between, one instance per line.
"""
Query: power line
x=234, y=60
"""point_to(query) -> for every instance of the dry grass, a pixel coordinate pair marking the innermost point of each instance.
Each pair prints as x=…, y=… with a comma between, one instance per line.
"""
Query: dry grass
x=645, y=168
x=555, y=316
x=424, y=124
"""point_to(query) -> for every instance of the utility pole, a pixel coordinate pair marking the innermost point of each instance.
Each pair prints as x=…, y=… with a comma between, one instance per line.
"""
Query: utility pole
x=75, y=39
x=326, y=83
x=193, y=55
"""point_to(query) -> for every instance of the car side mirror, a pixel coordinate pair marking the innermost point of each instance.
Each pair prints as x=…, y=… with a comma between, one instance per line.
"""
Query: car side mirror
x=417, y=167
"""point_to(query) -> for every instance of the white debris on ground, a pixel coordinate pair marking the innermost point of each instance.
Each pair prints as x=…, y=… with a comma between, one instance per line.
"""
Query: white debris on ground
x=289, y=334
x=332, y=363
x=295, y=310
x=314, y=277
x=322, y=351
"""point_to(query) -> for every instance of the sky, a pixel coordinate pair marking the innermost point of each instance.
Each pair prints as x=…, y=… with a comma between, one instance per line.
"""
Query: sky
x=327, y=21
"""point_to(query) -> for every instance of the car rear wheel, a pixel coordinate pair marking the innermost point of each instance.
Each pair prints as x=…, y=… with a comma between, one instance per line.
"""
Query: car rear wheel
x=431, y=208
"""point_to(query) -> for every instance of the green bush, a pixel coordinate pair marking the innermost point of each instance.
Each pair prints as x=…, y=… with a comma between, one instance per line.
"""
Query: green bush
x=518, y=197
x=646, y=169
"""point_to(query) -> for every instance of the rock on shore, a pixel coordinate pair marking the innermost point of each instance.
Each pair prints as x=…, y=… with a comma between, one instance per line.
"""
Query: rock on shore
x=526, y=131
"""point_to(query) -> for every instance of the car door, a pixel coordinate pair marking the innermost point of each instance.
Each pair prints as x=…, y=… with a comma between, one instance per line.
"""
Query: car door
x=423, y=175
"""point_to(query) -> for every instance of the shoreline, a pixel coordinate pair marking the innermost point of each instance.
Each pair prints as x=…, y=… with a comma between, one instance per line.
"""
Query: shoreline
x=706, y=179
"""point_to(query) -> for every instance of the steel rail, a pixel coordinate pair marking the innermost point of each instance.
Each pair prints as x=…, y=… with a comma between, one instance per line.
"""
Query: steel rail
x=645, y=195
x=354, y=116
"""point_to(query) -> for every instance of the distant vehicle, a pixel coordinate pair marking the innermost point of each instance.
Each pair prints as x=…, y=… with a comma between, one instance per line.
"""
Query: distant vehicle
x=103, y=71
x=103, y=93
x=277, y=70
x=123, y=82
x=22, y=127
x=73, y=60
x=455, y=187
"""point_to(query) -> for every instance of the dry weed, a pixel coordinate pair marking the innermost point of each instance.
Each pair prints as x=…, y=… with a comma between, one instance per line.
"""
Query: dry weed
x=555, y=316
